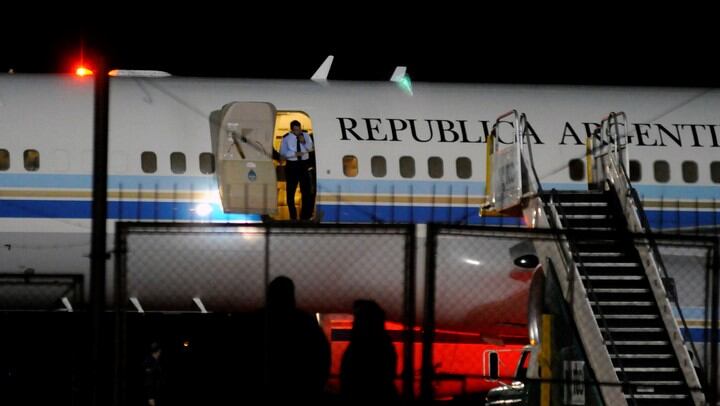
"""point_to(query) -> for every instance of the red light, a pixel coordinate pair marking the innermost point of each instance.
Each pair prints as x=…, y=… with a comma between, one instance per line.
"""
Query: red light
x=83, y=71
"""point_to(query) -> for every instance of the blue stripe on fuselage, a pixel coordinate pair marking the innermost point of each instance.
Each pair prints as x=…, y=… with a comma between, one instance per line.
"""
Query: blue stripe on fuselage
x=125, y=210
x=182, y=210
x=354, y=185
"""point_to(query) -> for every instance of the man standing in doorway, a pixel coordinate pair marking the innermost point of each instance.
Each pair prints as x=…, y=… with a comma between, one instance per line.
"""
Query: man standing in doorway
x=295, y=149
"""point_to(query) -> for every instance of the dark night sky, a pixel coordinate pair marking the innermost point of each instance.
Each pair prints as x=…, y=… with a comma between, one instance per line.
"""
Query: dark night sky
x=445, y=46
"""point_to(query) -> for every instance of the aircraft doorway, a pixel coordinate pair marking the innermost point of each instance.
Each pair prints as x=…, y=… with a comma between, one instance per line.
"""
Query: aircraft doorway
x=282, y=127
x=251, y=175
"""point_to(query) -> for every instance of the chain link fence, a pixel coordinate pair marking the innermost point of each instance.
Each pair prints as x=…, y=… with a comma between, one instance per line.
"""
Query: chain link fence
x=32, y=291
x=225, y=269
x=610, y=327
x=475, y=314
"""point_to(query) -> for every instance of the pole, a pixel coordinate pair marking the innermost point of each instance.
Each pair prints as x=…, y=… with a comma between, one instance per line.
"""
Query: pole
x=99, y=232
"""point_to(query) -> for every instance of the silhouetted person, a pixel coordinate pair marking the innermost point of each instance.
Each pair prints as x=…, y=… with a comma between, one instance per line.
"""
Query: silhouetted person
x=295, y=351
x=152, y=376
x=367, y=371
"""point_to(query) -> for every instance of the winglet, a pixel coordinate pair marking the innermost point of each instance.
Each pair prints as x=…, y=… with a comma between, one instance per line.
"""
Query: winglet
x=398, y=74
x=322, y=72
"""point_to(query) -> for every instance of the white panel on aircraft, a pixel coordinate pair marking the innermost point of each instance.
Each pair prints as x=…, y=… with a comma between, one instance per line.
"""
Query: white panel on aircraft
x=246, y=176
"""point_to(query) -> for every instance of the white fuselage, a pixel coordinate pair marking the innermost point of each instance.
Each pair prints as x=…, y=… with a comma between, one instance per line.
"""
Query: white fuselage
x=45, y=213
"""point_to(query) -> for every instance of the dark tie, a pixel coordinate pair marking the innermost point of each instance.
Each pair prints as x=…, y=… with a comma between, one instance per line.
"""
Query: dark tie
x=297, y=140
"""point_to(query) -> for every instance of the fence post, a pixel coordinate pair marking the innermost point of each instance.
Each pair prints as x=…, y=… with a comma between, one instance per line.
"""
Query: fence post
x=120, y=314
x=715, y=291
x=427, y=372
x=408, y=374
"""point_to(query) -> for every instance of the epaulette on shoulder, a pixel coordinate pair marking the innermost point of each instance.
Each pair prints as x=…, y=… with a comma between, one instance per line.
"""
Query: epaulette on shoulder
x=286, y=134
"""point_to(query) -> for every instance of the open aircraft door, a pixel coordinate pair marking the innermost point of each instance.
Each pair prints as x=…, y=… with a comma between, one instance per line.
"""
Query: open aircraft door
x=242, y=136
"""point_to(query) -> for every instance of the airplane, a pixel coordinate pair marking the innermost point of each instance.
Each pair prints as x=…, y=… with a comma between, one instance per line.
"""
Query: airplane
x=186, y=149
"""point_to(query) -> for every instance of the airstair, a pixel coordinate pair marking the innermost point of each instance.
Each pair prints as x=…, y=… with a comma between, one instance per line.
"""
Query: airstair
x=610, y=281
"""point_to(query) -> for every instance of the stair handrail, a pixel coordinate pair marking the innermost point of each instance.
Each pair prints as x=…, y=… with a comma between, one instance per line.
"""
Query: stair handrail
x=616, y=171
x=558, y=214
x=521, y=143
x=564, y=246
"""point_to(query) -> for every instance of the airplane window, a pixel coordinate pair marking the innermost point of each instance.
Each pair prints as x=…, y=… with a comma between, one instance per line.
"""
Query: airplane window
x=715, y=171
x=378, y=166
x=32, y=159
x=435, y=167
x=407, y=167
x=577, y=169
x=463, y=166
x=350, y=166
x=662, y=171
x=207, y=163
x=493, y=365
x=4, y=159
x=177, y=162
x=690, y=171
x=148, y=161
x=635, y=171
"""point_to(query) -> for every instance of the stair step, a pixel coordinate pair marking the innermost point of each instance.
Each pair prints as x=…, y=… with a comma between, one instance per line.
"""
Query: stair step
x=600, y=254
x=604, y=257
x=612, y=271
x=613, y=266
x=573, y=209
x=622, y=303
x=635, y=336
x=581, y=204
x=657, y=383
x=656, y=387
x=610, y=264
x=643, y=356
x=624, y=309
x=630, y=322
x=587, y=216
x=575, y=196
x=633, y=329
x=599, y=246
x=614, y=295
x=618, y=290
x=612, y=277
x=649, y=375
x=635, y=282
x=613, y=255
x=603, y=223
x=630, y=316
x=663, y=402
x=591, y=228
x=656, y=396
x=639, y=342
x=628, y=363
x=647, y=369
x=640, y=349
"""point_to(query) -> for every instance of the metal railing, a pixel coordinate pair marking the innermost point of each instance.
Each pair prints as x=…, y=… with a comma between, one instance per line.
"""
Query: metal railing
x=508, y=167
x=610, y=163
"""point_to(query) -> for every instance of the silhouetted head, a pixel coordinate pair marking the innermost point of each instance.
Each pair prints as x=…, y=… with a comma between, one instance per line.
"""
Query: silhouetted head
x=155, y=349
x=369, y=318
x=281, y=294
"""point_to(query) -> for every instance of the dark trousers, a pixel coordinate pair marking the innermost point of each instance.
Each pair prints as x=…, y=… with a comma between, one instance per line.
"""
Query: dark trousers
x=298, y=172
